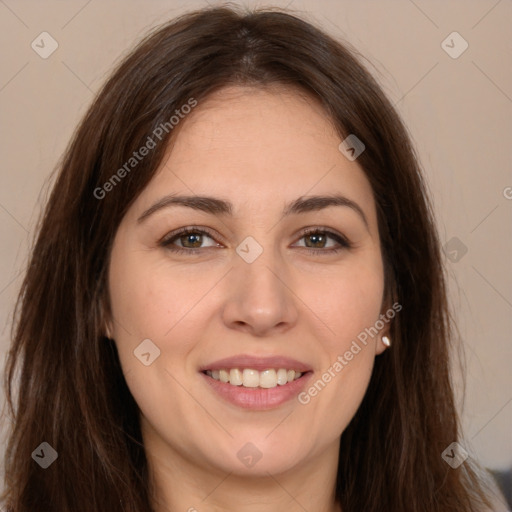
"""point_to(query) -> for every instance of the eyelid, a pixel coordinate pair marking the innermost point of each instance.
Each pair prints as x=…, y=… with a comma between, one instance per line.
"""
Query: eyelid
x=192, y=228
x=341, y=240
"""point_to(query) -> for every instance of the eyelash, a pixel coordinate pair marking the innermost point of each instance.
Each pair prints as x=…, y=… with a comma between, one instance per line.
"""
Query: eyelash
x=168, y=239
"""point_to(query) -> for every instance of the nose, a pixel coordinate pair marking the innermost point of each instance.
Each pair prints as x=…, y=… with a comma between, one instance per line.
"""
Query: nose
x=259, y=300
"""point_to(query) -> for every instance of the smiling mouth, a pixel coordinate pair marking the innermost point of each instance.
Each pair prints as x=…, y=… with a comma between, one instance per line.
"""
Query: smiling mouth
x=250, y=378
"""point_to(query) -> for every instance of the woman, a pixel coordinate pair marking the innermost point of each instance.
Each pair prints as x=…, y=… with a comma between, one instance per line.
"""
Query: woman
x=236, y=298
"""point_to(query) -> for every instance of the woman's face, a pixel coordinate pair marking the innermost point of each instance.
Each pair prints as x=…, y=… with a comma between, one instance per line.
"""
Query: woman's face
x=250, y=297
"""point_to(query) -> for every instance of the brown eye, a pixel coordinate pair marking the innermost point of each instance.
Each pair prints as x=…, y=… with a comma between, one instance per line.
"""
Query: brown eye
x=193, y=238
x=188, y=240
x=317, y=240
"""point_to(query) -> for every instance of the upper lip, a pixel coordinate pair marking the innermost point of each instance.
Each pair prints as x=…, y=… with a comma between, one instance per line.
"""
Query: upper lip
x=257, y=363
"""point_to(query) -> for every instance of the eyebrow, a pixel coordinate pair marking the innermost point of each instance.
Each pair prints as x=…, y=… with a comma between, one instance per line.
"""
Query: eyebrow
x=217, y=206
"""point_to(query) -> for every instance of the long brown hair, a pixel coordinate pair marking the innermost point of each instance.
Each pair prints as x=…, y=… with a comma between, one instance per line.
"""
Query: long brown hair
x=63, y=378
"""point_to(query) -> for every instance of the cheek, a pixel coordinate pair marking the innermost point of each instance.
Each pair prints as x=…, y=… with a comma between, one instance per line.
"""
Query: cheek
x=151, y=300
x=147, y=296
x=154, y=299
x=348, y=302
x=350, y=308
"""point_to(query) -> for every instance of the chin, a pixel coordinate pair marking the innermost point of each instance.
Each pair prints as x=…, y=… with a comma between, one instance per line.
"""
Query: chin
x=260, y=456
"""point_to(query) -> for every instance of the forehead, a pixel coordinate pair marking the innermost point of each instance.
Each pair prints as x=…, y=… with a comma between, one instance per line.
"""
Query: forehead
x=255, y=145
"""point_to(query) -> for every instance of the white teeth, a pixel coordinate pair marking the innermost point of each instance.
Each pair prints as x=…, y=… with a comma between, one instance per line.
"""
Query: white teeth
x=250, y=378
x=282, y=376
x=268, y=379
x=235, y=377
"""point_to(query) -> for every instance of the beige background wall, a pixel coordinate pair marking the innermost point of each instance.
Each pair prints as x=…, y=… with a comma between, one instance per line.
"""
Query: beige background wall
x=458, y=110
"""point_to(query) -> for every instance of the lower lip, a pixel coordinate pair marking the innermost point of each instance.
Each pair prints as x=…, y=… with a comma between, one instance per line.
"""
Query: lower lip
x=258, y=399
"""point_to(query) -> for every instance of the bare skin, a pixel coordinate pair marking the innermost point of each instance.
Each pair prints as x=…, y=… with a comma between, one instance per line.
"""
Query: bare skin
x=260, y=150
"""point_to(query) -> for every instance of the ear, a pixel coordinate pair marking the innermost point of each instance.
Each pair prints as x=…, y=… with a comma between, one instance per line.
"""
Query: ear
x=388, y=313
x=107, y=326
x=109, y=330
x=380, y=346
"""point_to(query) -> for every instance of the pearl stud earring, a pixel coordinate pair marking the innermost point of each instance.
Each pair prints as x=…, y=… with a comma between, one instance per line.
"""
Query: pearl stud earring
x=386, y=341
